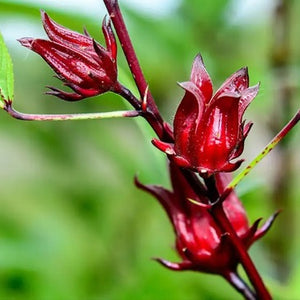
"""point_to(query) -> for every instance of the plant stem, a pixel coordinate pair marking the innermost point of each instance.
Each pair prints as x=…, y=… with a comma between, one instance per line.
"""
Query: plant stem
x=64, y=117
x=218, y=213
x=194, y=182
x=126, y=94
x=237, y=282
x=287, y=128
x=152, y=114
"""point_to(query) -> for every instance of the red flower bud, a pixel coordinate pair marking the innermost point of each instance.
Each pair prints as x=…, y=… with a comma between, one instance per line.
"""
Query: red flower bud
x=209, y=131
x=199, y=241
x=83, y=64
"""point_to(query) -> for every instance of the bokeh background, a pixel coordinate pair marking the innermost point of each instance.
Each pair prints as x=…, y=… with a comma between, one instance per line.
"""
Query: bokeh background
x=72, y=224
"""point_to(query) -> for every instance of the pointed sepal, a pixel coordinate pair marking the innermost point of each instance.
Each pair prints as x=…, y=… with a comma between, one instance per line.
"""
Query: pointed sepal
x=164, y=147
x=266, y=226
x=182, y=266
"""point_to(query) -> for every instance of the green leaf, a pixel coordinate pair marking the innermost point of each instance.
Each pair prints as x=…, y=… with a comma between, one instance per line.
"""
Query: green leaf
x=6, y=74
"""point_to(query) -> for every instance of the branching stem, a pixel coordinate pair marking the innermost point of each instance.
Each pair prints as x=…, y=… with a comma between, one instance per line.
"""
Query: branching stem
x=126, y=94
x=152, y=114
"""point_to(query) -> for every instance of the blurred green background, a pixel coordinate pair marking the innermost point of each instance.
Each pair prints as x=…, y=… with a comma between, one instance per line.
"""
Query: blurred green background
x=72, y=224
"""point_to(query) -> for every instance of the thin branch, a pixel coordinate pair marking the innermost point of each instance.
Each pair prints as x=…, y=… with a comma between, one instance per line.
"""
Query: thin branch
x=67, y=117
x=240, y=285
x=265, y=151
x=222, y=220
x=152, y=115
x=219, y=215
x=127, y=95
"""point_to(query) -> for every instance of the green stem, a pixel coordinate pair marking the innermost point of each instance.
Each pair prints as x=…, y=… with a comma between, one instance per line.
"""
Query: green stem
x=64, y=117
x=265, y=151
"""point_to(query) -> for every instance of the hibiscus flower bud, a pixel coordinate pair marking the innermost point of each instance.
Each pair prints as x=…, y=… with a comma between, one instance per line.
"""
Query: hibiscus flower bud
x=199, y=241
x=83, y=64
x=208, y=130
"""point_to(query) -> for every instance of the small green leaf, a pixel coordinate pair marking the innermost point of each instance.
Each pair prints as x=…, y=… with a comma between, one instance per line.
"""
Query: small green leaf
x=6, y=74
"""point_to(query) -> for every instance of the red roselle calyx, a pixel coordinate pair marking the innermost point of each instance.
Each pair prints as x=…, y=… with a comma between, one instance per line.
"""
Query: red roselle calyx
x=208, y=130
x=199, y=241
x=83, y=64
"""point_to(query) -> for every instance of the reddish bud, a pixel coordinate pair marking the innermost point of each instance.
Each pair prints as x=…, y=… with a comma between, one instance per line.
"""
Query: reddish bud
x=83, y=64
x=208, y=130
x=199, y=241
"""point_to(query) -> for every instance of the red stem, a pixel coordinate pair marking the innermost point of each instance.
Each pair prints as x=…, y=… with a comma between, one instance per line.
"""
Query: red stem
x=218, y=213
x=252, y=273
x=287, y=128
x=152, y=114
